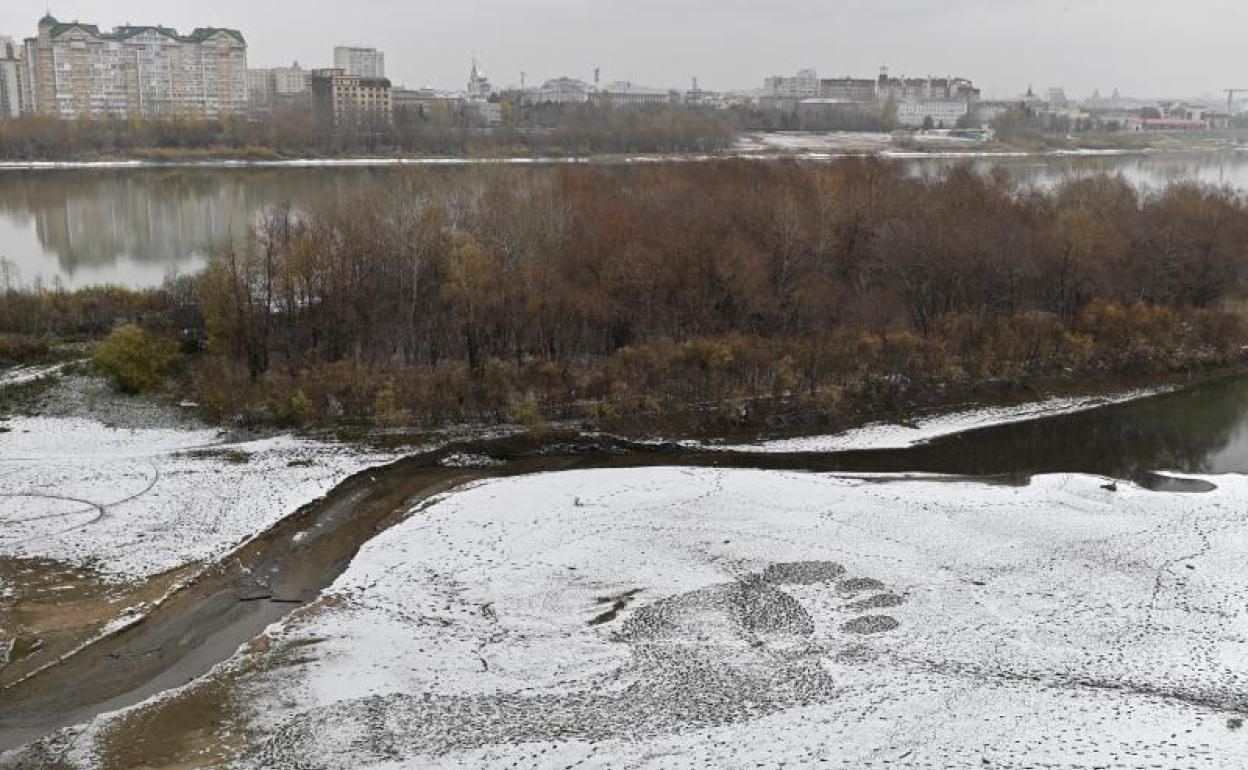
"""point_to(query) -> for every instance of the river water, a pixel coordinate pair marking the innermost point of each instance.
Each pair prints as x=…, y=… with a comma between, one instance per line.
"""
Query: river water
x=133, y=226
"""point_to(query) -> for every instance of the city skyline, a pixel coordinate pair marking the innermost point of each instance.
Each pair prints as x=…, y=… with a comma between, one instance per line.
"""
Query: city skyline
x=728, y=45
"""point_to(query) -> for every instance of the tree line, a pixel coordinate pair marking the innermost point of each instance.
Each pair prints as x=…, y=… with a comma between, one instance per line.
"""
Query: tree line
x=711, y=290
x=294, y=131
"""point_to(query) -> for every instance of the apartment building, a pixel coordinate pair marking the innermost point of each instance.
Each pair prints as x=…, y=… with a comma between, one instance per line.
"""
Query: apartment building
x=345, y=100
x=803, y=85
x=275, y=87
x=149, y=71
x=360, y=61
x=13, y=96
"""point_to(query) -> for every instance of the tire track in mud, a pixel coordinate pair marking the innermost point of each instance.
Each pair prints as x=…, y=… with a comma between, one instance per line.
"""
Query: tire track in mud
x=100, y=508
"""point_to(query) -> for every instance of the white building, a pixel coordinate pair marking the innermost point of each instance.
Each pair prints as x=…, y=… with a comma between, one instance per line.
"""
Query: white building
x=623, y=93
x=803, y=85
x=562, y=91
x=359, y=61
x=13, y=97
x=76, y=69
x=292, y=80
x=277, y=86
x=944, y=113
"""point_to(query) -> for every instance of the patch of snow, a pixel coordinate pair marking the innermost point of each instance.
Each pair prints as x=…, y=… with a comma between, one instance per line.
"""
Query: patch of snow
x=466, y=460
x=23, y=374
x=695, y=617
x=134, y=503
x=898, y=436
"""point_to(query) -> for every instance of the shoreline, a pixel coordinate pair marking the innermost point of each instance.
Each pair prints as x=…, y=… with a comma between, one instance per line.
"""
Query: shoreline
x=766, y=155
x=204, y=602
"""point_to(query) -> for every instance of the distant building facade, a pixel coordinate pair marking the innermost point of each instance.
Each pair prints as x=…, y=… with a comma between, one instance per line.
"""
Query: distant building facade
x=698, y=96
x=938, y=113
x=13, y=79
x=942, y=101
x=276, y=87
x=622, y=93
x=479, y=87
x=803, y=85
x=362, y=62
x=562, y=91
x=75, y=69
x=343, y=100
x=848, y=89
x=425, y=101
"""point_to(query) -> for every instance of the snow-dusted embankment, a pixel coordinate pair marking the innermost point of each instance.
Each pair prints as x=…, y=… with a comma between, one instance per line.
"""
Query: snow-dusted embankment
x=134, y=503
x=680, y=618
x=884, y=435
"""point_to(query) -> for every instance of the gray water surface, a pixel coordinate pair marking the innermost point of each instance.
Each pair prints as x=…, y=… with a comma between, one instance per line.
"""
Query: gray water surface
x=133, y=226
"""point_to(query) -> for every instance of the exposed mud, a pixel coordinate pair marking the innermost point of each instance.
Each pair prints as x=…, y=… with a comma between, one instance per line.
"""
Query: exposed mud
x=206, y=621
x=51, y=609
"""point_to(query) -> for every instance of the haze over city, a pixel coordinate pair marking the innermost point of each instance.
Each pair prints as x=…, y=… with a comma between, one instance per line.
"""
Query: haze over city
x=730, y=44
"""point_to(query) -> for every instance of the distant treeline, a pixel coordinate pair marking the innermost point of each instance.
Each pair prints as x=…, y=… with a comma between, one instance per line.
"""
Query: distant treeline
x=628, y=293
x=294, y=131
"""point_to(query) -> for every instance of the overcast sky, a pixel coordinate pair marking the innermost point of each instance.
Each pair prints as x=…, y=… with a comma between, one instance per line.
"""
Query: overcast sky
x=1143, y=47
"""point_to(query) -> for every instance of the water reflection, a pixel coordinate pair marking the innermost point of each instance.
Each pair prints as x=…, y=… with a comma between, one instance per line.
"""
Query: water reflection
x=1202, y=429
x=131, y=225
x=1145, y=171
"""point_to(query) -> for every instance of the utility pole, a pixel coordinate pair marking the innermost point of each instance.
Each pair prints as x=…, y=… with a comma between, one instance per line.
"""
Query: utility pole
x=1230, y=98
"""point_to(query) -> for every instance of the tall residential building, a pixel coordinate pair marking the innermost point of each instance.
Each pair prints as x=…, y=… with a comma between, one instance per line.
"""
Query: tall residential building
x=278, y=87
x=803, y=85
x=344, y=100
x=361, y=62
x=13, y=91
x=136, y=70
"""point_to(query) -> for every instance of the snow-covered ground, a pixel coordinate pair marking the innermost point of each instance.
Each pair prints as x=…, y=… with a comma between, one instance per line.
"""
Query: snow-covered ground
x=23, y=374
x=134, y=503
x=886, y=435
x=681, y=618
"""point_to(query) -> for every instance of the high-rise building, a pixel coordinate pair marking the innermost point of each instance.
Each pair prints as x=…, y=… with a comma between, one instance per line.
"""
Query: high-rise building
x=359, y=61
x=278, y=87
x=13, y=89
x=149, y=71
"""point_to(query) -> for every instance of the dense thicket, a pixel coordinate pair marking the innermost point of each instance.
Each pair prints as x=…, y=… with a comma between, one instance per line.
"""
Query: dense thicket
x=296, y=132
x=622, y=291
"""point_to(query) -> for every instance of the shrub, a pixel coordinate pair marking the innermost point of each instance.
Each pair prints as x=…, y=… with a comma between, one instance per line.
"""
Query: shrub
x=16, y=349
x=386, y=410
x=525, y=412
x=135, y=359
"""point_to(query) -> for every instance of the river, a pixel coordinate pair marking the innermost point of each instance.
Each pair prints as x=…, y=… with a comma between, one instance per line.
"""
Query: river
x=135, y=225
x=1201, y=429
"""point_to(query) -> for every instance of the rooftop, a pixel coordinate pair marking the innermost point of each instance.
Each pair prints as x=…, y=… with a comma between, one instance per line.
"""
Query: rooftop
x=127, y=31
